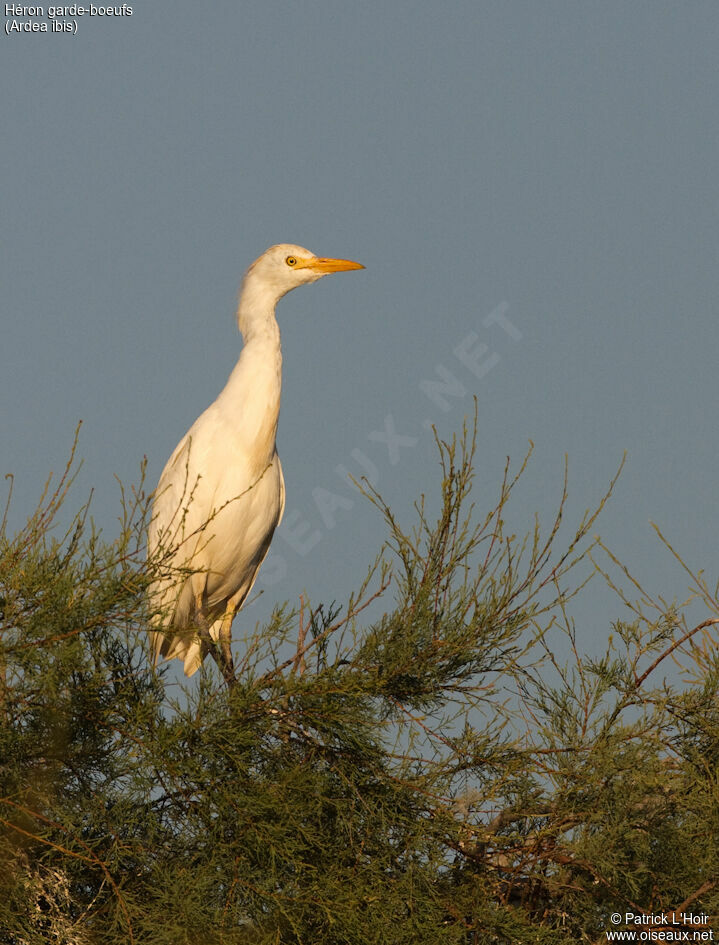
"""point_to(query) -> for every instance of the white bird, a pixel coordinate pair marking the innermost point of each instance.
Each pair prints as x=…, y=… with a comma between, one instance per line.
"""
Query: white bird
x=222, y=494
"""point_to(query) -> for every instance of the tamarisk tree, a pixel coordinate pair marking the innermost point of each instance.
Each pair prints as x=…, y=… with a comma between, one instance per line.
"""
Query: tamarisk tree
x=436, y=760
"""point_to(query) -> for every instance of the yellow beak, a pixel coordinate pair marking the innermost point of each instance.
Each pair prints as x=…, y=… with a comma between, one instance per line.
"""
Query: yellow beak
x=320, y=264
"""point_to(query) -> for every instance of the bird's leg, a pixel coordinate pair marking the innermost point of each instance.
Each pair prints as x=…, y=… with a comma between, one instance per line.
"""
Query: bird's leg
x=225, y=639
x=203, y=631
x=222, y=650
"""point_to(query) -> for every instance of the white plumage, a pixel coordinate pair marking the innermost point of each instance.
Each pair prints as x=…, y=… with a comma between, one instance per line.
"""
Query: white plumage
x=222, y=494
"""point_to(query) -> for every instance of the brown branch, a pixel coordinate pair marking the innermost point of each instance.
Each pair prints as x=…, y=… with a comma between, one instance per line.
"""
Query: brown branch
x=704, y=888
x=670, y=650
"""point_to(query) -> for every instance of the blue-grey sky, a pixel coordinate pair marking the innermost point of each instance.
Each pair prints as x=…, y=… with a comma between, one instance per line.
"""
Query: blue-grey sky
x=538, y=178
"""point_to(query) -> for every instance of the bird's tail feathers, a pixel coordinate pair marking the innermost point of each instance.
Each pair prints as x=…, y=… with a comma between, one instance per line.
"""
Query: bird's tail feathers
x=184, y=646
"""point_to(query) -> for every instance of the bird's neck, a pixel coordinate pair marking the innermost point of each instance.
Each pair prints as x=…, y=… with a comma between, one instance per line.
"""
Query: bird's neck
x=251, y=397
x=256, y=312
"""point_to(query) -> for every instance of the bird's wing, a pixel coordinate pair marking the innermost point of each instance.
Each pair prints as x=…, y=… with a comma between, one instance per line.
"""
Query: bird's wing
x=168, y=498
x=173, y=533
x=180, y=506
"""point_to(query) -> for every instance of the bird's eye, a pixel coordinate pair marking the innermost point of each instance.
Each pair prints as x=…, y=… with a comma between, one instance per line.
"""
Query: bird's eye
x=291, y=260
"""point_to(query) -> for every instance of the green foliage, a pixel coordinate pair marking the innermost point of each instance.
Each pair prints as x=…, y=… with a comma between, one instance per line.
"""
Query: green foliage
x=418, y=766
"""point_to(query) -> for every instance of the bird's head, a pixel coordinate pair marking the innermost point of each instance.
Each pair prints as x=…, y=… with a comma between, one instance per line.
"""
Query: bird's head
x=285, y=266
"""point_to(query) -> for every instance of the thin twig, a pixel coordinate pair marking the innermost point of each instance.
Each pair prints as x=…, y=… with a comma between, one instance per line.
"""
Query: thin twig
x=299, y=663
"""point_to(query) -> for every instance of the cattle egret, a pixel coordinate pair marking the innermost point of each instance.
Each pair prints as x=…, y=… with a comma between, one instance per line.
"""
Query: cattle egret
x=222, y=494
